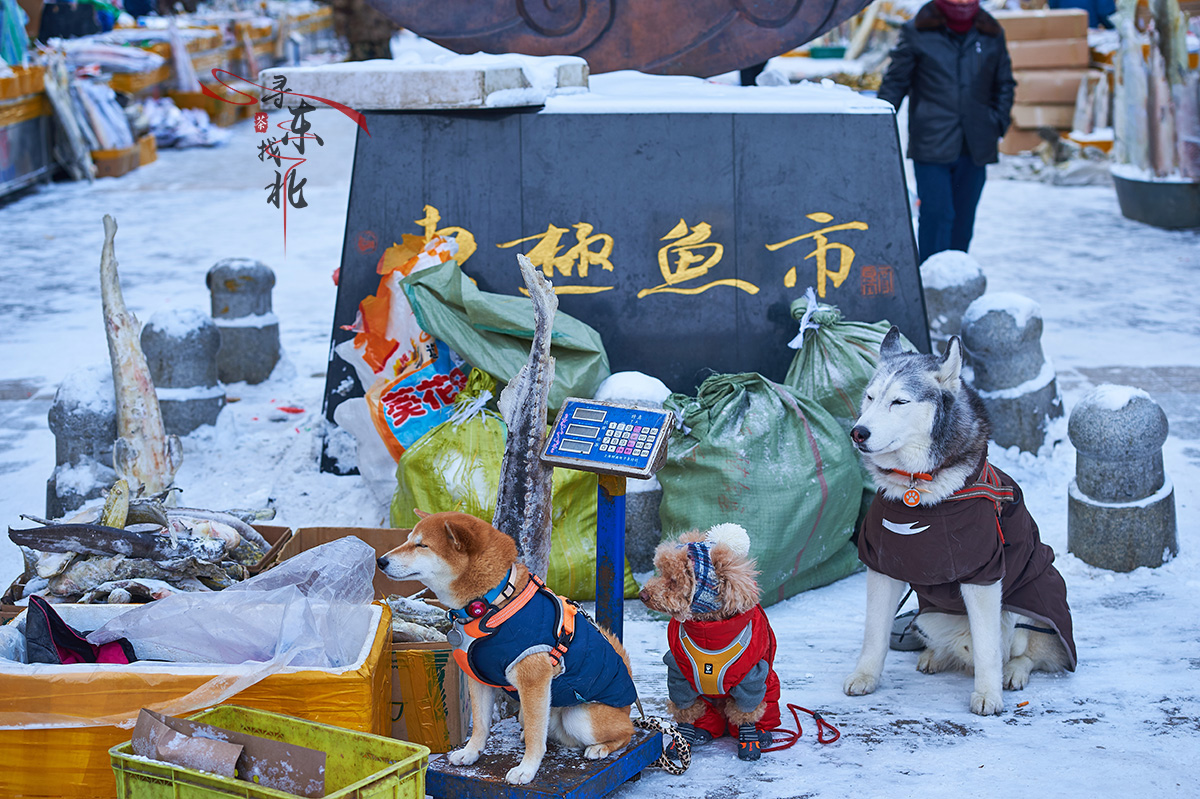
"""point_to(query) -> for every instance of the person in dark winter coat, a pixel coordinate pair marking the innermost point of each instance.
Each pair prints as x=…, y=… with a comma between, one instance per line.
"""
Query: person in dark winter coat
x=953, y=64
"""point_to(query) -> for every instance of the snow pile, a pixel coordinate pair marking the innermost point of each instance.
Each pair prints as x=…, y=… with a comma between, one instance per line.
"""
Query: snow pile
x=1108, y=397
x=1018, y=306
x=949, y=268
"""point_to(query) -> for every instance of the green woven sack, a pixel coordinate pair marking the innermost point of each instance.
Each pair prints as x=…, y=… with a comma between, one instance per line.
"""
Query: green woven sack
x=493, y=331
x=456, y=467
x=758, y=454
x=835, y=360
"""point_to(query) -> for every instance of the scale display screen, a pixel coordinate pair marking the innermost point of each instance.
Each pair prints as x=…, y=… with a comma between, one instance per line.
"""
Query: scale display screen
x=594, y=436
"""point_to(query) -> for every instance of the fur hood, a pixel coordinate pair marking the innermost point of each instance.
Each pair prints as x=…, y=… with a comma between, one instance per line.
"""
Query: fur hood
x=930, y=18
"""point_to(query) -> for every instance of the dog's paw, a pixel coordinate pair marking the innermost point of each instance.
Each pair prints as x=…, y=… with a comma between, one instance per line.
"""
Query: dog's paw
x=596, y=752
x=927, y=663
x=860, y=683
x=1016, y=673
x=463, y=757
x=522, y=773
x=986, y=704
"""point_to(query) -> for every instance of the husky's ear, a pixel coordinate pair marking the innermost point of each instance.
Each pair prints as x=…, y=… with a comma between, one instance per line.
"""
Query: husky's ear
x=891, y=346
x=420, y=513
x=950, y=369
x=454, y=538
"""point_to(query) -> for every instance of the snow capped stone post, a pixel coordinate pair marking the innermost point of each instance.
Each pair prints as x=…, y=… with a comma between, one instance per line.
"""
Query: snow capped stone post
x=181, y=350
x=1002, y=335
x=83, y=418
x=241, y=308
x=951, y=281
x=1121, y=505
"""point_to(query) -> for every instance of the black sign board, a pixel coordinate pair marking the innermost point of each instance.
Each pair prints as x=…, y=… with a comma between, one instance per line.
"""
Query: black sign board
x=683, y=238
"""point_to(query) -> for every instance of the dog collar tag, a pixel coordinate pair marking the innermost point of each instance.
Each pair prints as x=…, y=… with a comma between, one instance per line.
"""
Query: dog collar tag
x=912, y=497
x=476, y=608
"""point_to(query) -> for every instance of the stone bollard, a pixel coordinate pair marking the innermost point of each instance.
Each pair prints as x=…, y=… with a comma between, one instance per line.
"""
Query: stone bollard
x=1002, y=336
x=241, y=308
x=1121, y=505
x=83, y=418
x=951, y=281
x=643, y=530
x=181, y=350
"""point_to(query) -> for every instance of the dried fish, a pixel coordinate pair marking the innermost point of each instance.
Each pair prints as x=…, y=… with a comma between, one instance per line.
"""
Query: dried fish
x=143, y=454
x=418, y=612
x=85, y=575
x=95, y=539
x=146, y=511
x=123, y=591
x=116, y=505
x=250, y=547
x=407, y=631
x=523, y=504
x=52, y=564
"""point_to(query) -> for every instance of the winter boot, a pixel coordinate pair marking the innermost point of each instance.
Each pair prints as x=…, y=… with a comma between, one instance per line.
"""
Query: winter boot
x=694, y=737
x=751, y=742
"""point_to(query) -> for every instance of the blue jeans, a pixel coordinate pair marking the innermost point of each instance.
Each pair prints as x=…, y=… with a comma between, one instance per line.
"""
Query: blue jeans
x=948, y=194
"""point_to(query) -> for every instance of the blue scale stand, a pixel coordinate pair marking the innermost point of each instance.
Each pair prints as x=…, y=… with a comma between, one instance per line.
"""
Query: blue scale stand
x=616, y=442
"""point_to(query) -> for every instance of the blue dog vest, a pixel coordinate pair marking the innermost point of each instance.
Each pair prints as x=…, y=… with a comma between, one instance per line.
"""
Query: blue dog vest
x=593, y=671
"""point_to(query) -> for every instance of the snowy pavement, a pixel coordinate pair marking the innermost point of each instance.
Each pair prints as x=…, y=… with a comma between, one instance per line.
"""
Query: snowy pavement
x=1117, y=301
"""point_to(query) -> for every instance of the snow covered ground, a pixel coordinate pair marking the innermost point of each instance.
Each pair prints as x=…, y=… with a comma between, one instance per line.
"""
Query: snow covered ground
x=1117, y=302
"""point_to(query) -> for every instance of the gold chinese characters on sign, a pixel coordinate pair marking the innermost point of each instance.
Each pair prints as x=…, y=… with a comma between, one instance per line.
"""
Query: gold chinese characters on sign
x=821, y=253
x=690, y=263
x=685, y=260
x=545, y=255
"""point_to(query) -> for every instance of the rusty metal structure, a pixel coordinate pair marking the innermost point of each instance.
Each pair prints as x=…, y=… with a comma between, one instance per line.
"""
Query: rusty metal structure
x=669, y=37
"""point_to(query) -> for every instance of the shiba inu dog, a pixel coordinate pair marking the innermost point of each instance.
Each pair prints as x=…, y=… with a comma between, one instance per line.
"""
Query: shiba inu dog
x=571, y=677
x=956, y=529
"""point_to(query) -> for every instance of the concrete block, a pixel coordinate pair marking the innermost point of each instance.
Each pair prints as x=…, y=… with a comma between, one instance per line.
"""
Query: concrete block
x=241, y=309
x=951, y=281
x=181, y=349
x=1002, y=336
x=1121, y=504
x=462, y=82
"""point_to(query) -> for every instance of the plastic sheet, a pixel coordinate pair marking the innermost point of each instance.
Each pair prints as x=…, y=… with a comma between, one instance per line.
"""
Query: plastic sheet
x=12, y=643
x=312, y=611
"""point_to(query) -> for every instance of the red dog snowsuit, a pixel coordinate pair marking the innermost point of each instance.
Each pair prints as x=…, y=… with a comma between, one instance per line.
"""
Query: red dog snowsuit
x=733, y=658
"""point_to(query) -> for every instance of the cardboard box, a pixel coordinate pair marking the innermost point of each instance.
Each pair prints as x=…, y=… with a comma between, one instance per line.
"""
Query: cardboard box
x=1049, y=85
x=73, y=762
x=275, y=535
x=381, y=539
x=430, y=705
x=1020, y=141
x=114, y=163
x=1039, y=116
x=1059, y=23
x=1049, y=54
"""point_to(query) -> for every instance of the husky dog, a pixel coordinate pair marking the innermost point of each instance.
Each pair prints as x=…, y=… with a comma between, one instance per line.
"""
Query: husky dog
x=954, y=527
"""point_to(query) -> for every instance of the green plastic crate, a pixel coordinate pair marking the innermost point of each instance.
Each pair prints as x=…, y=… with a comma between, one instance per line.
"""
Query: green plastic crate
x=358, y=765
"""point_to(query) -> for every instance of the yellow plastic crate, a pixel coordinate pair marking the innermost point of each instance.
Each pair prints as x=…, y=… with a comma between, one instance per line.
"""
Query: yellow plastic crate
x=358, y=765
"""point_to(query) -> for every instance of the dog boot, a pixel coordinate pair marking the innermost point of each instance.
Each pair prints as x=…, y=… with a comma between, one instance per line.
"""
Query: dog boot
x=694, y=737
x=751, y=741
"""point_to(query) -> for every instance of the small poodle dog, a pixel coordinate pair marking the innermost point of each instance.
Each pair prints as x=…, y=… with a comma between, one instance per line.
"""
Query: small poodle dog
x=720, y=667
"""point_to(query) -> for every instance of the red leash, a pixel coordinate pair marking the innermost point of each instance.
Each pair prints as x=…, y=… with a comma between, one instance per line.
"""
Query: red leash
x=790, y=737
